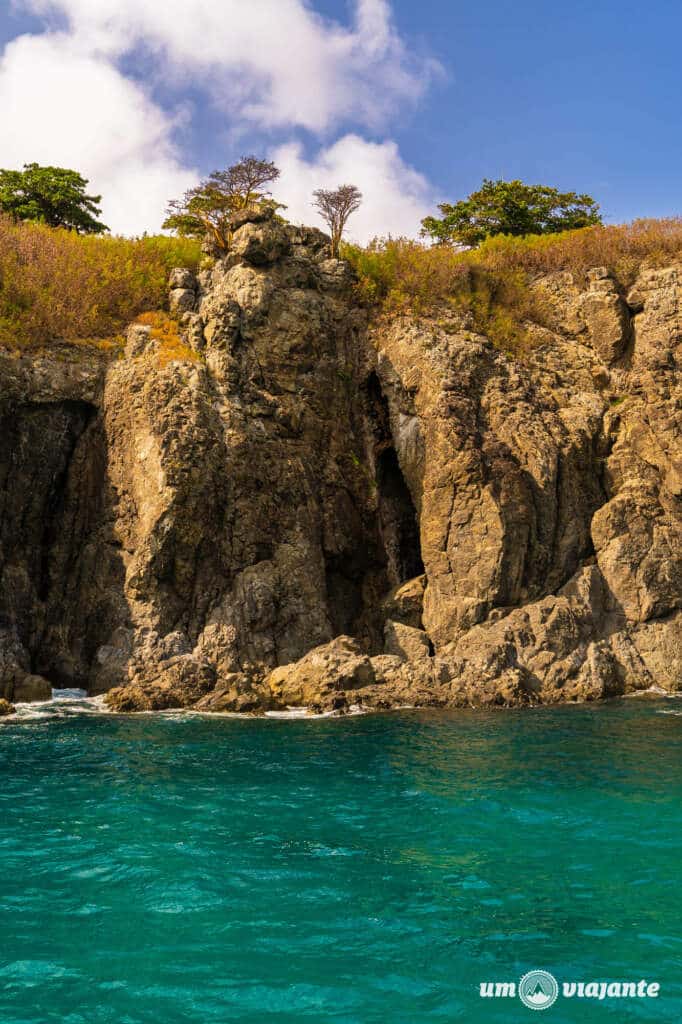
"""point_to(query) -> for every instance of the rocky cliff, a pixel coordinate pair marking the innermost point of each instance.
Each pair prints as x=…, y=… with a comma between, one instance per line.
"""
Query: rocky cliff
x=285, y=505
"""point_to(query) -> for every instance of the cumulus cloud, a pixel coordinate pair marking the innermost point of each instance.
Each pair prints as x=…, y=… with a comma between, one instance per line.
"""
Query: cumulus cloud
x=272, y=63
x=395, y=196
x=272, y=66
x=63, y=106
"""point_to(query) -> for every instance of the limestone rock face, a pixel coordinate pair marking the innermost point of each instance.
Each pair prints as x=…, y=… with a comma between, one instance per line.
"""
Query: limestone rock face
x=207, y=515
x=261, y=244
x=548, y=493
x=292, y=508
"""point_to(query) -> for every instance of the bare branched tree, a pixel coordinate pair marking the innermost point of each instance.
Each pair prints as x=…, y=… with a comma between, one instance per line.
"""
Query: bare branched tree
x=244, y=181
x=336, y=206
x=206, y=209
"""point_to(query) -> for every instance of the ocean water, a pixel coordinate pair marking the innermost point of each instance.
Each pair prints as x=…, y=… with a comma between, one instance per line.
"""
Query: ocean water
x=179, y=868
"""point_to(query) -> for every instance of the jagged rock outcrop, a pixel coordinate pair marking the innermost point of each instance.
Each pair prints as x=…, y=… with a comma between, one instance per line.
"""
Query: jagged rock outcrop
x=285, y=506
x=549, y=493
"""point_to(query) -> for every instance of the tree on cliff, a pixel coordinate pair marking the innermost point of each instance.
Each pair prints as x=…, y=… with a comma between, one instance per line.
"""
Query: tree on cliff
x=207, y=208
x=335, y=207
x=54, y=196
x=511, y=208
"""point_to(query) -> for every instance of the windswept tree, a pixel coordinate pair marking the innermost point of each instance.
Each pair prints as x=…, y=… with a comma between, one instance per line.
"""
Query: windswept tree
x=54, y=196
x=207, y=208
x=511, y=208
x=335, y=207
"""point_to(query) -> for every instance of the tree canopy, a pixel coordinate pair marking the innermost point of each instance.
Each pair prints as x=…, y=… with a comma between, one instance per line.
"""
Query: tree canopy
x=511, y=208
x=335, y=207
x=207, y=208
x=54, y=196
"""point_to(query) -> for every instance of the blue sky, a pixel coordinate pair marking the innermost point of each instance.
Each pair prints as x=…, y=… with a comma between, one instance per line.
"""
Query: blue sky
x=415, y=102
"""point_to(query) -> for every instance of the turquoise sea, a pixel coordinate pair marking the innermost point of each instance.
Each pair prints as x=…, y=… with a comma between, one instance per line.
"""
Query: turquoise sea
x=178, y=868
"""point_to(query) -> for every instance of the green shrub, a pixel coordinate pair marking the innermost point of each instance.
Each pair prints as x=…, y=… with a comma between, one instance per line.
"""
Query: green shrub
x=56, y=284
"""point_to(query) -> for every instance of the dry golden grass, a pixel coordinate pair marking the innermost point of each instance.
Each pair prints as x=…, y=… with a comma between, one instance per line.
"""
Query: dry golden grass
x=623, y=249
x=492, y=282
x=55, y=284
x=165, y=331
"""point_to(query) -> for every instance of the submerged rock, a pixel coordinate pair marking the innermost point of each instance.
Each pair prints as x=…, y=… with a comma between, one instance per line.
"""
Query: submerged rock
x=32, y=688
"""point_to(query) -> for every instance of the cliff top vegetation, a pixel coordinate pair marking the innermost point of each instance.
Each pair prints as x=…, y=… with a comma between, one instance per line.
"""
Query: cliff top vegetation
x=491, y=282
x=55, y=283
x=50, y=195
x=511, y=208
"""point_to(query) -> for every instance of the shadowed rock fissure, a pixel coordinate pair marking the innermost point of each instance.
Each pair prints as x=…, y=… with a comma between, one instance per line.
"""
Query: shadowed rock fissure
x=397, y=516
x=359, y=578
x=52, y=483
x=398, y=521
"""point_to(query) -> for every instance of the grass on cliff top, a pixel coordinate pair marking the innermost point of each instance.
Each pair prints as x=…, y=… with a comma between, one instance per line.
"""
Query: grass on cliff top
x=57, y=284
x=164, y=330
x=492, y=282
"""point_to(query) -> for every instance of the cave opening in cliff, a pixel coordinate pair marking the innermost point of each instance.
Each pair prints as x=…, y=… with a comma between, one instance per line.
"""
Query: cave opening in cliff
x=398, y=519
x=52, y=472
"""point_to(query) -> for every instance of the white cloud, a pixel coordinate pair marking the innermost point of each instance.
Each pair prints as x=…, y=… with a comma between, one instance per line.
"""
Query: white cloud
x=62, y=106
x=269, y=62
x=271, y=65
x=395, y=196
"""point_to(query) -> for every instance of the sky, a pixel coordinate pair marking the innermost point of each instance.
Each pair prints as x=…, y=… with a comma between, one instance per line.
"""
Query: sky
x=415, y=103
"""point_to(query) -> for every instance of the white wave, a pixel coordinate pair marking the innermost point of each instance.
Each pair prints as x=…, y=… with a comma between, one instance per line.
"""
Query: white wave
x=64, y=703
x=69, y=694
x=71, y=702
x=651, y=691
x=294, y=713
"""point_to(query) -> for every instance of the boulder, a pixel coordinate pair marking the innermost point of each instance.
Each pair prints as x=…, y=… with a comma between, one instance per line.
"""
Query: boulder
x=181, y=300
x=32, y=688
x=406, y=603
x=406, y=642
x=237, y=694
x=182, y=278
x=322, y=677
x=606, y=315
x=178, y=682
x=260, y=244
x=250, y=215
